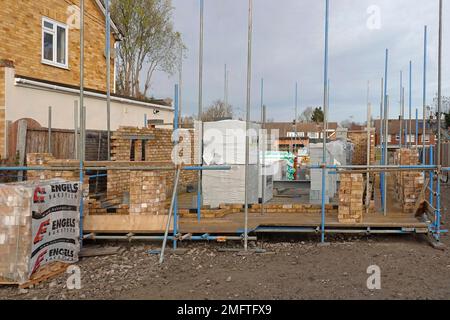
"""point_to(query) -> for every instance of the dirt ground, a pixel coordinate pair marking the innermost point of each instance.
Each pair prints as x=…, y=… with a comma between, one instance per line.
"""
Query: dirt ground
x=290, y=269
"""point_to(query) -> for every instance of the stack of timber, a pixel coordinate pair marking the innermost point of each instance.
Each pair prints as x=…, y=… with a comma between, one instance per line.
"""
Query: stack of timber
x=351, y=198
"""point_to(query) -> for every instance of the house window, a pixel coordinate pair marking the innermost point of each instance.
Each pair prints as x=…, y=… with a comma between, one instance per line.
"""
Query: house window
x=411, y=138
x=313, y=135
x=295, y=134
x=427, y=137
x=54, y=43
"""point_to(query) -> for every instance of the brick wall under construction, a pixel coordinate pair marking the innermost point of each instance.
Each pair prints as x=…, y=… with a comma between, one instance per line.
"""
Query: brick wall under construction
x=359, y=139
x=351, y=198
x=408, y=184
x=47, y=160
x=149, y=145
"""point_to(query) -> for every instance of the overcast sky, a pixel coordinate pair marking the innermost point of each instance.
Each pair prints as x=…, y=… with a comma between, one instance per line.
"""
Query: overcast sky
x=288, y=46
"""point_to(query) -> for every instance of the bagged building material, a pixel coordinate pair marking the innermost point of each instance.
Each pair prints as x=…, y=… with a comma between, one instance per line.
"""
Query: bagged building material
x=39, y=224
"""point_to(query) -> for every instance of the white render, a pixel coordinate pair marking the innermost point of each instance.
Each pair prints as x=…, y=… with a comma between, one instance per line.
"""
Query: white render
x=30, y=99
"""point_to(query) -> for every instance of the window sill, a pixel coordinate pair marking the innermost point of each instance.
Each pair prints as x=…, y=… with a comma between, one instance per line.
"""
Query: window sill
x=52, y=64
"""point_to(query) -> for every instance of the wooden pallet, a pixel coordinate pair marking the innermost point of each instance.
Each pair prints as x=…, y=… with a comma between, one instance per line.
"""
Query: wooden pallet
x=6, y=282
x=45, y=273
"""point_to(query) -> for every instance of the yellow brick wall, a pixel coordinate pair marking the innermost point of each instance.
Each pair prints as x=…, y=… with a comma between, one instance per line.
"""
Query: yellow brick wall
x=21, y=41
x=2, y=111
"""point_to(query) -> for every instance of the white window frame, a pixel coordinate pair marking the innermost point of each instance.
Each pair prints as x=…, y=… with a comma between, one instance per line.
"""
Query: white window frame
x=411, y=138
x=54, y=32
x=313, y=135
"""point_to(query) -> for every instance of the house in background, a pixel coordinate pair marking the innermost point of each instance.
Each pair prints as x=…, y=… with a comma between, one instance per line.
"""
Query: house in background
x=394, y=134
x=292, y=136
x=40, y=67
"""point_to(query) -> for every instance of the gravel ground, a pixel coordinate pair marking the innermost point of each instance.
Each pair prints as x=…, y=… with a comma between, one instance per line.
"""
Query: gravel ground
x=290, y=269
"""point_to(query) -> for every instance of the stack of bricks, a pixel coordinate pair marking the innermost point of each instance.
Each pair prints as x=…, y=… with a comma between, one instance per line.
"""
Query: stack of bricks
x=408, y=183
x=351, y=198
x=147, y=193
x=359, y=140
x=15, y=232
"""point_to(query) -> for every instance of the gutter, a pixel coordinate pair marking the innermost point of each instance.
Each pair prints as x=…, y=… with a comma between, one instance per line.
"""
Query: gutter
x=52, y=87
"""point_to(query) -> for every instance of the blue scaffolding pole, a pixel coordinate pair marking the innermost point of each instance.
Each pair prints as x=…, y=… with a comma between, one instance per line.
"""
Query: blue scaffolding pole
x=325, y=110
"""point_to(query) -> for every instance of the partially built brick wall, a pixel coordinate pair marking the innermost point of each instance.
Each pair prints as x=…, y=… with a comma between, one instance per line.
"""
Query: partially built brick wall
x=408, y=184
x=359, y=139
x=47, y=160
x=351, y=198
x=127, y=145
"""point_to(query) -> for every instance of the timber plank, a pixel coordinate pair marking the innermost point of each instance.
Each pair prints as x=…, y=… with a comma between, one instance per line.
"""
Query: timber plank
x=125, y=224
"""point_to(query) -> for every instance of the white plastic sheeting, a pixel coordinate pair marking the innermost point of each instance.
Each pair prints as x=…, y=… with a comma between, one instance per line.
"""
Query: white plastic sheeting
x=223, y=187
x=224, y=144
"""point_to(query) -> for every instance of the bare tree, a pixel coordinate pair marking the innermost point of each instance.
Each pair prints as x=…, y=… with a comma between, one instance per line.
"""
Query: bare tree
x=218, y=111
x=306, y=115
x=150, y=43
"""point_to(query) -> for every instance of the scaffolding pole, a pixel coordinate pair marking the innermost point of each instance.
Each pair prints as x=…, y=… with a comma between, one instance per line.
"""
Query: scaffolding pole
x=175, y=191
x=410, y=105
x=425, y=42
x=82, y=117
x=247, y=118
x=401, y=110
x=108, y=75
x=200, y=111
x=439, y=146
x=384, y=132
x=263, y=143
x=325, y=119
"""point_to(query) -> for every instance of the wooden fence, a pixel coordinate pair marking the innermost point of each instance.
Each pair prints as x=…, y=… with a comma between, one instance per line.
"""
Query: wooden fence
x=62, y=143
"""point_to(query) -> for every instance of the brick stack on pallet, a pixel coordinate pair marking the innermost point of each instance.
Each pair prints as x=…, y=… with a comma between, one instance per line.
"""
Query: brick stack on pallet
x=351, y=198
x=15, y=233
x=408, y=184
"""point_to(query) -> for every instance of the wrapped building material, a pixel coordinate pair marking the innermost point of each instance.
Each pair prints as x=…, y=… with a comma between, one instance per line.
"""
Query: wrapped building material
x=224, y=144
x=228, y=187
x=39, y=225
x=316, y=158
x=266, y=177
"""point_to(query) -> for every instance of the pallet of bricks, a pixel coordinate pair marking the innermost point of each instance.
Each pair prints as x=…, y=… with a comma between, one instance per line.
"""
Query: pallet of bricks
x=408, y=183
x=39, y=230
x=351, y=193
